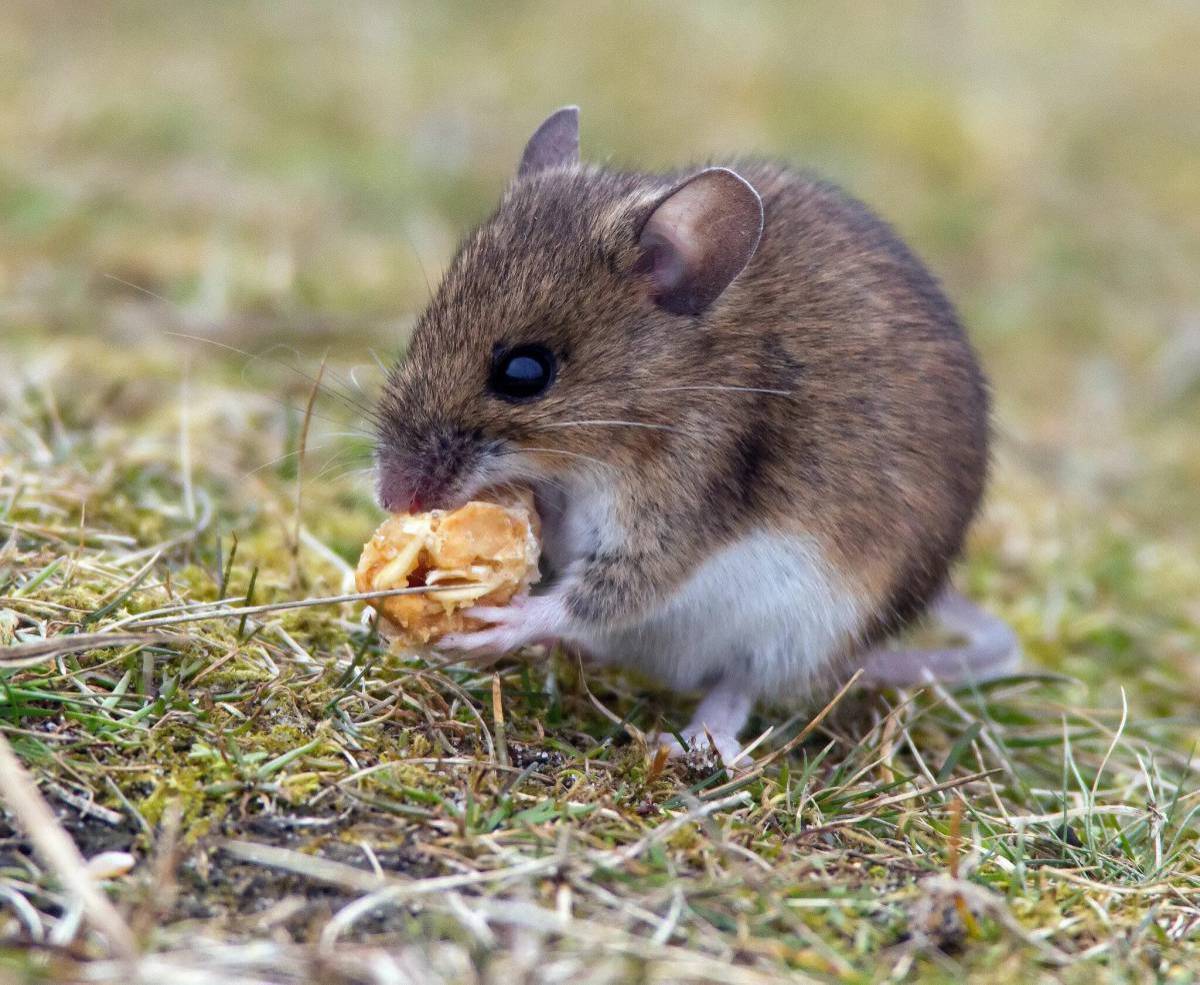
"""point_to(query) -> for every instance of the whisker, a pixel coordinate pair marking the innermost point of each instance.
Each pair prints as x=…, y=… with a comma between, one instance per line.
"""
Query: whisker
x=623, y=424
x=516, y=478
x=559, y=451
x=273, y=461
x=347, y=384
x=738, y=389
x=347, y=380
x=340, y=460
x=370, y=414
x=141, y=290
x=333, y=475
x=379, y=362
x=353, y=374
x=360, y=433
x=547, y=480
x=338, y=476
x=345, y=434
x=420, y=263
x=367, y=411
x=340, y=393
x=315, y=441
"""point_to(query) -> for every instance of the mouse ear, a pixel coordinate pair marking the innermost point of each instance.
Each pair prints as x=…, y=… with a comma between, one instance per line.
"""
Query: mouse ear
x=698, y=239
x=554, y=144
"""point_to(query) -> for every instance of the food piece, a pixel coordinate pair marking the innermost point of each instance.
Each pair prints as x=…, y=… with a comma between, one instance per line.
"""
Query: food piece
x=483, y=553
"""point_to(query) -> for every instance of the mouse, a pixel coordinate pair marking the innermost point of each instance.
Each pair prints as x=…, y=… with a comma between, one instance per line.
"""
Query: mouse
x=755, y=429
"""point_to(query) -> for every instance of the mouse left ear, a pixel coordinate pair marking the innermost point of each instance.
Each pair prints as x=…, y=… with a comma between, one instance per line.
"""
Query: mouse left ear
x=554, y=144
x=699, y=238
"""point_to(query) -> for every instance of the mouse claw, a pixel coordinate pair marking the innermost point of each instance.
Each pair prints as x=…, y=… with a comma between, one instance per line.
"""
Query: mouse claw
x=493, y=614
x=533, y=619
x=727, y=747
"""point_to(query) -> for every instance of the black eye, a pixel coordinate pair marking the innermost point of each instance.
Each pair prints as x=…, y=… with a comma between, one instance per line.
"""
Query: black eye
x=523, y=372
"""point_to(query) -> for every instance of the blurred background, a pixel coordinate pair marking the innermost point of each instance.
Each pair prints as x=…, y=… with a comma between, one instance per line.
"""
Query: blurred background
x=285, y=172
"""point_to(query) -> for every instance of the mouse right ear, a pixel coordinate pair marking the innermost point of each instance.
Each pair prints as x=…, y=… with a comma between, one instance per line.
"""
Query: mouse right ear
x=554, y=144
x=699, y=238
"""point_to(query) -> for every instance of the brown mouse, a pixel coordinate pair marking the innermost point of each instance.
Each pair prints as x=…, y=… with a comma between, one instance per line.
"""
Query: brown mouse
x=752, y=421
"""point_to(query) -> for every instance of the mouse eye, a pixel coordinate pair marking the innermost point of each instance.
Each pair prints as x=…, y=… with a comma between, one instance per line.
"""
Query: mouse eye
x=522, y=372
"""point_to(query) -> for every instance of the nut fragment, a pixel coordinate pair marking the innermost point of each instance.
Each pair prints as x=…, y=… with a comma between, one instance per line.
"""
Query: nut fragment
x=483, y=553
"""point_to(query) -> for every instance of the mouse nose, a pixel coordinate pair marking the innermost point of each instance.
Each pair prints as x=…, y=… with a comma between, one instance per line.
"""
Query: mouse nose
x=398, y=493
x=395, y=500
x=425, y=469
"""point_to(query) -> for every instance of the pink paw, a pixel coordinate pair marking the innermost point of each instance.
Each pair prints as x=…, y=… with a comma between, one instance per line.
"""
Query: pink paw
x=727, y=747
x=531, y=619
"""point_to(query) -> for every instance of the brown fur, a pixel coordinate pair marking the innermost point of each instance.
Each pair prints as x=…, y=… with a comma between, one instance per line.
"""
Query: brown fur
x=878, y=448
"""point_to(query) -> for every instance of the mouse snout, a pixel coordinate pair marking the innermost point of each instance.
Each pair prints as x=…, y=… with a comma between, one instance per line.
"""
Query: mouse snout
x=429, y=472
x=398, y=490
x=403, y=489
x=399, y=498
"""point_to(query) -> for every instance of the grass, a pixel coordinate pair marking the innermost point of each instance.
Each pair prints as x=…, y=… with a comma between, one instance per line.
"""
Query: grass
x=202, y=207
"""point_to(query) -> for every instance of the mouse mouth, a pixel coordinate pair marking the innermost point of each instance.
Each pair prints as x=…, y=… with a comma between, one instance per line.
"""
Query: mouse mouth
x=404, y=490
x=410, y=486
x=497, y=474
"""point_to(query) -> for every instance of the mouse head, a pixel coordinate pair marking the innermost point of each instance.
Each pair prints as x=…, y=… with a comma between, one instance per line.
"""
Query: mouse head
x=546, y=351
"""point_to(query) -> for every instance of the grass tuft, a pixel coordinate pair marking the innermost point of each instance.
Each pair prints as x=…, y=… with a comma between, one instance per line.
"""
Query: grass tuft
x=214, y=226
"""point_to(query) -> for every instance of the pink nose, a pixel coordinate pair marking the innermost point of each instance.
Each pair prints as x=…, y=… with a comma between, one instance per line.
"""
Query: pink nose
x=402, y=502
x=399, y=496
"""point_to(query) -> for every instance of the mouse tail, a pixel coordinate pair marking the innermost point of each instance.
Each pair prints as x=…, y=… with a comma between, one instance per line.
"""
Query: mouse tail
x=990, y=649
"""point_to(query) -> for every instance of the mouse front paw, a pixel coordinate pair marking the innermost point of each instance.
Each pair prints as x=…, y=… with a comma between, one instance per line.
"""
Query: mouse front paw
x=528, y=620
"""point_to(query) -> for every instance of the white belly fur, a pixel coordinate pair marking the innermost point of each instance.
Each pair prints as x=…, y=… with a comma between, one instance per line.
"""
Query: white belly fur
x=768, y=610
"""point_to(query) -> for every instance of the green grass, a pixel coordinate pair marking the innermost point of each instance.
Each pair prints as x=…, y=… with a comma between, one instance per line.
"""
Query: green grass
x=182, y=184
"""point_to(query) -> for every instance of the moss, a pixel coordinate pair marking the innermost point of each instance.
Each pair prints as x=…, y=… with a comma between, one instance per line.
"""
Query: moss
x=183, y=789
x=1013, y=179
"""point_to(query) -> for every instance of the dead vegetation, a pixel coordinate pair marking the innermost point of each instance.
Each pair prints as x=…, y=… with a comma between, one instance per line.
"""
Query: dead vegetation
x=286, y=799
x=199, y=217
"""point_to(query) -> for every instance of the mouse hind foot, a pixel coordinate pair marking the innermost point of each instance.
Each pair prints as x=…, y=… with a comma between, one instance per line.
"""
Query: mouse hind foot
x=990, y=650
x=720, y=716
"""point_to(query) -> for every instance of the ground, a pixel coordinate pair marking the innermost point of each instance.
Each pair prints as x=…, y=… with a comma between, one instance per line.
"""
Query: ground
x=204, y=207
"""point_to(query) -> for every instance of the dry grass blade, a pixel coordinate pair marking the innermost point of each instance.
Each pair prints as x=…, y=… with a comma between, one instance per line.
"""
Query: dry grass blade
x=258, y=610
x=244, y=167
x=354, y=879
x=60, y=852
x=665, y=831
x=39, y=651
x=301, y=453
x=813, y=724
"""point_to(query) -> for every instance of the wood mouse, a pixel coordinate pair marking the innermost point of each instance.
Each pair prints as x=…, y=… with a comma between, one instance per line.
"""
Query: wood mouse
x=754, y=427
